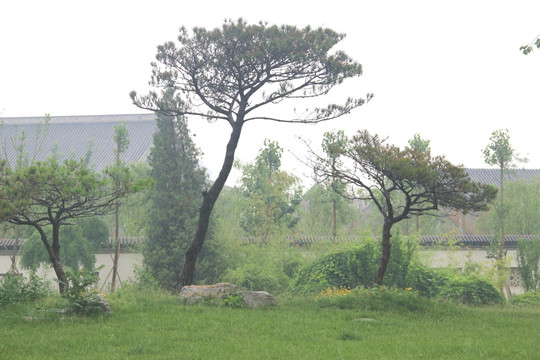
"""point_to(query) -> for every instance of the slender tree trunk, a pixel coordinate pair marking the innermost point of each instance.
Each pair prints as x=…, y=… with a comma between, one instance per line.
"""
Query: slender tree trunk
x=118, y=247
x=209, y=199
x=385, y=255
x=334, y=219
x=116, y=228
x=54, y=256
x=502, y=217
x=334, y=207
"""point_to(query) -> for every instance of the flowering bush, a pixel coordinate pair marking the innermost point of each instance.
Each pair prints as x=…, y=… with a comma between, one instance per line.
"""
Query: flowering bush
x=375, y=298
x=335, y=292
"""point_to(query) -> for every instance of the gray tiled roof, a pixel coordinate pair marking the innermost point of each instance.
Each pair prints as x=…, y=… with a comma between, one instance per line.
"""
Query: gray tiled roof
x=473, y=241
x=492, y=176
x=128, y=243
x=73, y=133
x=511, y=241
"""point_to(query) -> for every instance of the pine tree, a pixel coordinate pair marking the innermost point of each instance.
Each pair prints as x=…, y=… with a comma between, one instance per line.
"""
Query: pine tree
x=175, y=199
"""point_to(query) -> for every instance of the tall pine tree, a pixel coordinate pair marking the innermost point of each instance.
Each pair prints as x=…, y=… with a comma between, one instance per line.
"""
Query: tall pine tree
x=175, y=199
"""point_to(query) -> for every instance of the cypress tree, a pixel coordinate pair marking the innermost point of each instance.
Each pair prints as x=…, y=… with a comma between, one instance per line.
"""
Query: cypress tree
x=175, y=199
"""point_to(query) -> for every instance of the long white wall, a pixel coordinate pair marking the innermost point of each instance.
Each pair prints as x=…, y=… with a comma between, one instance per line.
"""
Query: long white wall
x=126, y=268
x=128, y=262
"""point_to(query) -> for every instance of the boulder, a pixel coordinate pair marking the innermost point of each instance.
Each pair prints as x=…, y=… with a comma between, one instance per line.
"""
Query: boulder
x=104, y=304
x=258, y=298
x=195, y=293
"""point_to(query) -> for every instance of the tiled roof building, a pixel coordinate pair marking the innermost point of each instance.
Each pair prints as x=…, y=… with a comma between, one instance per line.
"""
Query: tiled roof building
x=492, y=176
x=72, y=134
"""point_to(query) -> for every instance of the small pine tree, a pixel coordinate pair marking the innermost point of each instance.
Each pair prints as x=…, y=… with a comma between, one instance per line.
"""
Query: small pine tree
x=175, y=199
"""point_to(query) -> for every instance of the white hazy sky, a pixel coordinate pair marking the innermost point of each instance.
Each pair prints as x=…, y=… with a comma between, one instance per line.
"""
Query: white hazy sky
x=448, y=70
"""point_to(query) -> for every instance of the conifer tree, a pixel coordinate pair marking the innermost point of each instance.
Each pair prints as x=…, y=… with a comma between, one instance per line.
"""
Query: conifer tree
x=175, y=199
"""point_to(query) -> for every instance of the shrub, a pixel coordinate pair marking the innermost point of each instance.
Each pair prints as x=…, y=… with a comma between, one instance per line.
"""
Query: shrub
x=270, y=267
x=265, y=276
x=528, y=256
x=348, y=268
x=531, y=298
x=82, y=299
x=144, y=279
x=233, y=301
x=426, y=281
x=356, y=266
x=378, y=298
x=17, y=289
x=470, y=290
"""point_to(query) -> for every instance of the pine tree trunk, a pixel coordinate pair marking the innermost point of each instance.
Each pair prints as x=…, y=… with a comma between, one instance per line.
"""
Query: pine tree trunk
x=334, y=219
x=385, y=255
x=54, y=255
x=209, y=200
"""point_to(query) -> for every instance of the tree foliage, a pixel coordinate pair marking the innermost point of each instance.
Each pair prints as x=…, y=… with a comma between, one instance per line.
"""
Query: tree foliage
x=400, y=183
x=356, y=266
x=522, y=201
x=271, y=195
x=95, y=230
x=232, y=73
x=51, y=193
x=526, y=49
x=179, y=183
x=528, y=257
x=317, y=215
x=77, y=251
x=499, y=152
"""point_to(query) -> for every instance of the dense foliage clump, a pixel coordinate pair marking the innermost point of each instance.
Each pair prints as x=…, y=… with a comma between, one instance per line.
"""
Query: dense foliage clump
x=17, y=289
x=356, y=266
x=530, y=298
x=471, y=290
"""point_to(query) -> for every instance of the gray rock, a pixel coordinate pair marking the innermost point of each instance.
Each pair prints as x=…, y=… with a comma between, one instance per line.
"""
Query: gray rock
x=195, y=293
x=104, y=304
x=258, y=298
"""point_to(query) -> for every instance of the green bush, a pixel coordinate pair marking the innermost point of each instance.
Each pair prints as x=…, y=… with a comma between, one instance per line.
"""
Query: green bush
x=356, y=266
x=259, y=276
x=528, y=256
x=530, y=298
x=470, y=290
x=233, y=301
x=17, y=289
x=426, y=281
x=377, y=298
x=82, y=299
x=264, y=267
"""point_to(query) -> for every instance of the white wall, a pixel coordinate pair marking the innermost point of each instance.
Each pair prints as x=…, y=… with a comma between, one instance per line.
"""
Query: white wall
x=126, y=267
x=128, y=261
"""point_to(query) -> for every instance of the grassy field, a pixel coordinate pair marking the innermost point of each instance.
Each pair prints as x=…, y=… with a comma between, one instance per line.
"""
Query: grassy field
x=156, y=326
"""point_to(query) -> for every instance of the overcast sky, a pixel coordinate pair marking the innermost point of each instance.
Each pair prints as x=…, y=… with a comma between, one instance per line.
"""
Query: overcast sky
x=448, y=70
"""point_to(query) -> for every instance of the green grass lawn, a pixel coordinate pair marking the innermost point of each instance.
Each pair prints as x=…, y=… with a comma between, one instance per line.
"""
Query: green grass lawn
x=156, y=326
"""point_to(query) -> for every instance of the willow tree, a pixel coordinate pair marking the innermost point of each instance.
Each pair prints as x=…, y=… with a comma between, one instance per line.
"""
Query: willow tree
x=232, y=73
x=400, y=182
